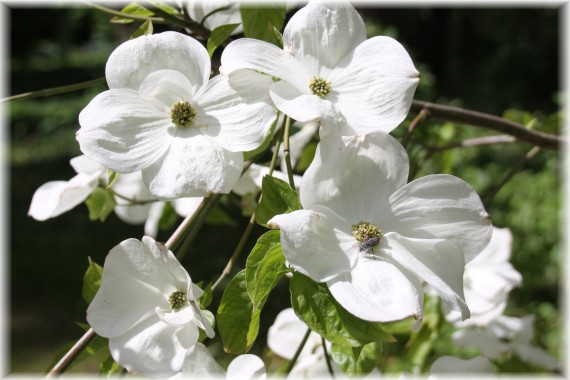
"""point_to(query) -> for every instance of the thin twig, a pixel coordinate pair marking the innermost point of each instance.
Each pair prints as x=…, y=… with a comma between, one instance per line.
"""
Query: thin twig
x=488, y=195
x=477, y=141
x=298, y=352
x=183, y=227
x=54, y=90
x=424, y=113
x=197, y=29
x=496, y=123
x=68, y=358
x=156, y=20
x=327, y=358
x=286, y=152
x=198, y=222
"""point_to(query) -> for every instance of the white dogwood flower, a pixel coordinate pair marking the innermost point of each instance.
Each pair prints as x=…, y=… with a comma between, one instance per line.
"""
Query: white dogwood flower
x=330, y=71
x=200, y=364
x=506, y=334
x=229, y=13
x=163, y=116
x=373, y=238
x=487, y=281
x=146, y=306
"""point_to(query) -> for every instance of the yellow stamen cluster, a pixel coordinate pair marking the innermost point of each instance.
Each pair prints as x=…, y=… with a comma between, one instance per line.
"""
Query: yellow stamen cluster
x=364, y=231
x=177, y=300
x=320, y=86
x=182, y=114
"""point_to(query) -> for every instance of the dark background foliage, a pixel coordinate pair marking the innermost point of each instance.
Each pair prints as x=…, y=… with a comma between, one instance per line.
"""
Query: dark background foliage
x=492, y=60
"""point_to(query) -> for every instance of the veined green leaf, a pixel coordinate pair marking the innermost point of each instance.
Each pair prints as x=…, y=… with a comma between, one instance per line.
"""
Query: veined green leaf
x=357, y=361
x=277, y=198
x=315, y=306
x=219, y=35
x=91, y=281
x=131, y=9
x=260, y=22
x=144, y=30
x=100, y=204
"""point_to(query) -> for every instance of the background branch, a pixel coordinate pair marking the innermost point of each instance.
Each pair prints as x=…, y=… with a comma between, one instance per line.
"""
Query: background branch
x=483, y=120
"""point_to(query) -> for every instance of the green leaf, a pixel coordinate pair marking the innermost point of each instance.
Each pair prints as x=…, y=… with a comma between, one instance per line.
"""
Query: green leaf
x=206, y=298
x=131, y=9
x=144, y=30
x=100, y=204
x=264, y=144
x=357, y=361
x=168, y=217
x=91, y=281
x=109, y=367
x=237, y=323
x=277, y=198
x=112, y=178
x=264, y=267
x=260, y=22
x=278, y=37
x=219, y=35
x=307, y=156
x=314, y=305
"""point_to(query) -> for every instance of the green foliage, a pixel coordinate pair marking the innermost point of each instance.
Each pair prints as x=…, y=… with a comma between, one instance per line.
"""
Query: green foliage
x=206, y=298
x=314, y=305
x=261, y=23
x=278, y=37
x=219, y=36
x=218, y=217
x=357, y=361
x=131, y=9
x=113, y=177
x=244, y=297
x=91, y=281
x=109, y=367
x=100, y=204
x=144, y=30
x=277, y=198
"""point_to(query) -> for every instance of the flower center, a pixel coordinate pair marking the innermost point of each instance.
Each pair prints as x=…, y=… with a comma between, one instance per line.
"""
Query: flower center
x=368, y=235
x=320, y=86
x=182, y=114
x=177, y=300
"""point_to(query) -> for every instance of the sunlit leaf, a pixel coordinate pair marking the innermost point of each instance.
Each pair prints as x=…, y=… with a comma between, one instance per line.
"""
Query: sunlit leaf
x=219, y=36
x=277, y=198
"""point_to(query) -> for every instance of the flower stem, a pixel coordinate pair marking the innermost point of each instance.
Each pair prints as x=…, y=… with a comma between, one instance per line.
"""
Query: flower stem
x=424, y=113
x=73, y=352
x=286, y=151
x=298, y=352
x=327, y=358
x=54, y=90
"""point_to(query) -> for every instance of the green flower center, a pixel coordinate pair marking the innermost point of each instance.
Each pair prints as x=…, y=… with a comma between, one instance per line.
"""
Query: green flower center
x=177, y=300
x=368, y=235
x=182, y=114
x=320, y=86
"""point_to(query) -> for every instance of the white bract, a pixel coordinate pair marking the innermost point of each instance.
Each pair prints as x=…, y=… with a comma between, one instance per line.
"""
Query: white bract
x=200, y=364
x=506, y=334
x=147, y=308
x=373, y=238
x=163, y=116
x=197, y=10
x=487, y=281
x=330, y=71
x=56, y=197
x=284, y=338
x=450, y=364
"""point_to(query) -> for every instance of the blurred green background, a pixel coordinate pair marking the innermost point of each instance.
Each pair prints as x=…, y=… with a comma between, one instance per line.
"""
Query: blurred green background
x=500, y=61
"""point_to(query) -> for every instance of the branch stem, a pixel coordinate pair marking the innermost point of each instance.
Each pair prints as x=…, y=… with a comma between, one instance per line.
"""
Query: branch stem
x=125, y=15
x=496, y=123
x=287, y=153
x=54, y=90
x=180, y=232
x=68, y=358
x=298, y=352
x=423, y=114
x=327, y=358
